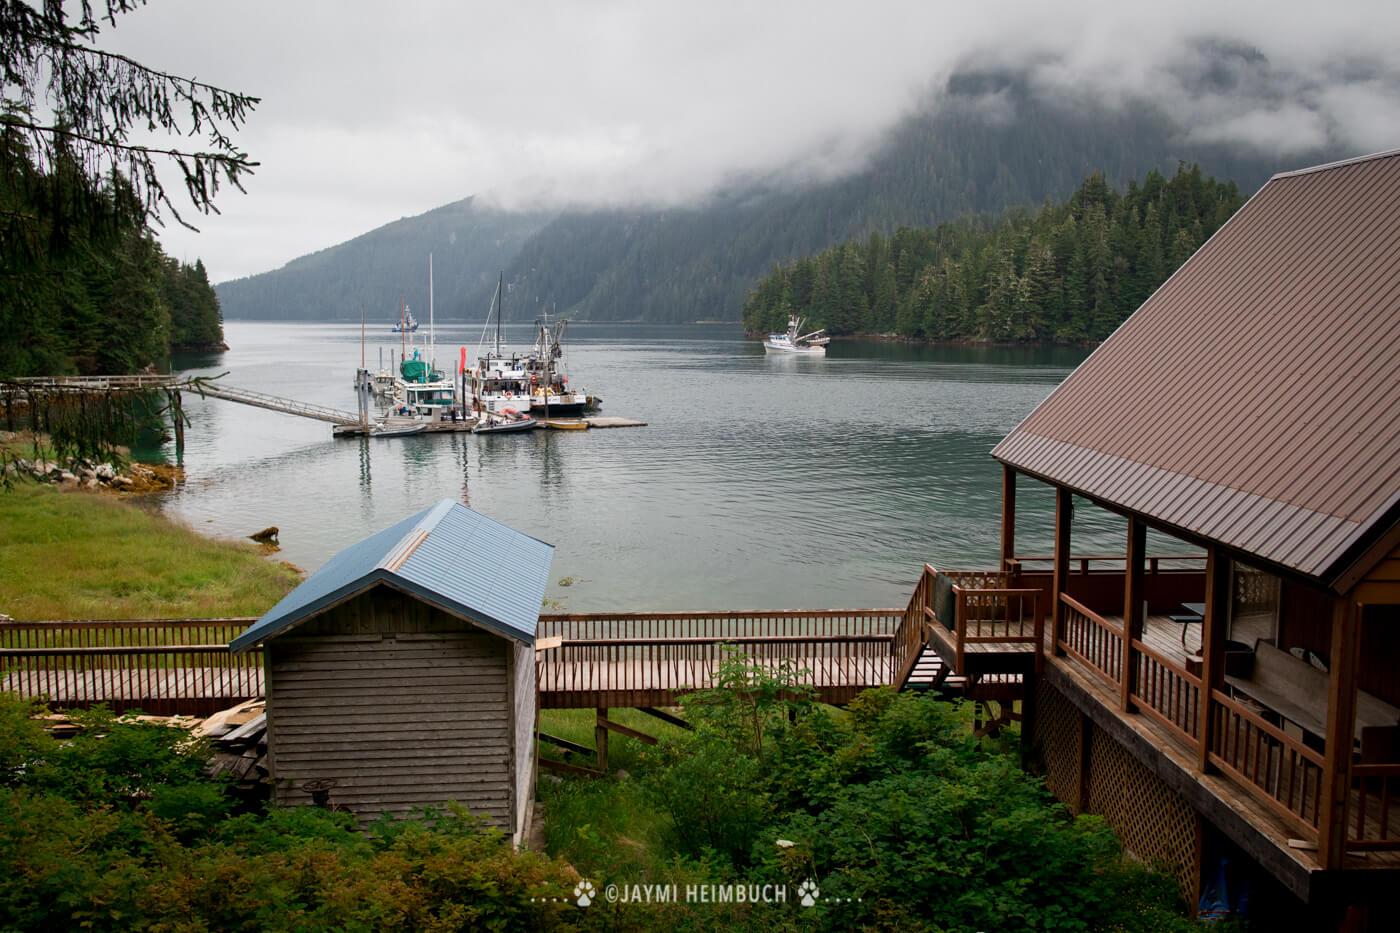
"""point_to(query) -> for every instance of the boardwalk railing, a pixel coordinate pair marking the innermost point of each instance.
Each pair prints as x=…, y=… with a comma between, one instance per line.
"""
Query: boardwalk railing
x=170, y=666
x=645, y=659
x=164, y=666
x=1166, y=692
x=1377, y=787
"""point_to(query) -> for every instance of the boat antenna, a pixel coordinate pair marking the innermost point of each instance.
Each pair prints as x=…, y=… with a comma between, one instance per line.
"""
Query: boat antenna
x=500, y=309
x=432, y=330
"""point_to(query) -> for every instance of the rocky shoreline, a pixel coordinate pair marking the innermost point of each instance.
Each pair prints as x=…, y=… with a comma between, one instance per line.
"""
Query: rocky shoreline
x=84, y=474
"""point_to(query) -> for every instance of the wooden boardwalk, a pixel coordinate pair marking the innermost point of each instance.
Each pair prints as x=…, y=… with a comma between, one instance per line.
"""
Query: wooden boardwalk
x=167, y=667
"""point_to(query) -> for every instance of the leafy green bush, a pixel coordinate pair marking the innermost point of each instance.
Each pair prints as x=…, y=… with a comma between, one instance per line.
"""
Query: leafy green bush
x=118, y=828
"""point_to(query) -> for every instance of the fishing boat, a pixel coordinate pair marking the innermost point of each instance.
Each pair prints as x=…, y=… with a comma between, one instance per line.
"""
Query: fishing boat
x=794, y=341
x=550, y=392
x=406, y=324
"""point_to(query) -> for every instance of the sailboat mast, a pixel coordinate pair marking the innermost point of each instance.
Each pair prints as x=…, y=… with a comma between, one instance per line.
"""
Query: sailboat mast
x=432, y=330
x=500, y=309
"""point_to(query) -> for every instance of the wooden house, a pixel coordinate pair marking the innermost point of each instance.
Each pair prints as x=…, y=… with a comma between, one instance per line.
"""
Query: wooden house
x=1224, y=690
x=402, y=673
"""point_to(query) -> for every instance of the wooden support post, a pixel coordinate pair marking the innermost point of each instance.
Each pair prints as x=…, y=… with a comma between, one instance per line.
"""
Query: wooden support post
x=1064, y=507
x=1341, y=723
x=600, y=738
x=177, y=412
x=1008, y=517
x=1133, y=596
x=1217, y=597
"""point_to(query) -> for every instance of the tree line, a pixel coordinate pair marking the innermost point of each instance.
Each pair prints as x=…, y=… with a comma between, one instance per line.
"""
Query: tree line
x=85, y=287
x=1066, y=272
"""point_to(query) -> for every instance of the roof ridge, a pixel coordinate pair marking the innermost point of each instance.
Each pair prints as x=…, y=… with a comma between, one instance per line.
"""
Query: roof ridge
x=1341, y=163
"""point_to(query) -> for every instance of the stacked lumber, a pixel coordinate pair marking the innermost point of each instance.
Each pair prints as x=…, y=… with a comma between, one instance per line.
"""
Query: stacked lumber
x=238, y=737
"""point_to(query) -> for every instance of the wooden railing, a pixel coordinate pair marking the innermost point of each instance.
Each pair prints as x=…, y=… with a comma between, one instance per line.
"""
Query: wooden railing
x=1092, y=639
x=586, y=673
x=1000, y=615
x=1166, y=692
x=647, y=658
x=1376, y=788
x=1285, y=774
x=160, y=666
x=1093, y=563
x=912, y=631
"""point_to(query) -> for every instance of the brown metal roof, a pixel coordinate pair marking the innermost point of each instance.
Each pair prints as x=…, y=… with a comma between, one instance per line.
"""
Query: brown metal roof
x=1254, y=399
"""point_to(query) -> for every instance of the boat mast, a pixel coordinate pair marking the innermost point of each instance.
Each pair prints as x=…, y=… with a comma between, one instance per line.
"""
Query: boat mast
x=432, y=331
x=500, y=309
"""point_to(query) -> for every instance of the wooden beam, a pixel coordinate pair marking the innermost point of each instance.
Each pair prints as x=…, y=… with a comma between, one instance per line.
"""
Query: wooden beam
x=552, y=765
x=664, y=716
x=1008, y=516
x=1064, y=508
x=1345, y=659
x=1212, y=648
x=1133, y=596
x=564, y=744
x=620, y=729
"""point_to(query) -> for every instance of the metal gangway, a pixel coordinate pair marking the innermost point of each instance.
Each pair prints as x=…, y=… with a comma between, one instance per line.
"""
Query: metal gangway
x=287, y=406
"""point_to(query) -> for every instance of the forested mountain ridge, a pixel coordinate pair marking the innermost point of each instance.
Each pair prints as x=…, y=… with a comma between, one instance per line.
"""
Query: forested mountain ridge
x=1066, y=272
x=470, y=245
x=987, y=144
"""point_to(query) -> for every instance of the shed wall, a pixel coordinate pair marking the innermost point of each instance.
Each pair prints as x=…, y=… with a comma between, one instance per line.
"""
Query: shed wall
x=401, y=704
x=525, y=709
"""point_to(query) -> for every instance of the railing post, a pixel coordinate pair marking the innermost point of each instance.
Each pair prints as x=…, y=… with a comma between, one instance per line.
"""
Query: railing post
x=1008, y=517
x=961, y=626
x=1212, y=648
x=1341, y=723
x=1063, y=509
x=1133, y=594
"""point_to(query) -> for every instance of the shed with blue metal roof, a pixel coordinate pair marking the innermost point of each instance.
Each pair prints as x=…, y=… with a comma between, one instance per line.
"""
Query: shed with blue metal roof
x=402, y=672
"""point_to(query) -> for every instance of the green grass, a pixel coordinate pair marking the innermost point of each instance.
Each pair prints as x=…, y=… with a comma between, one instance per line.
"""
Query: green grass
x=81, y=555
x=606, y=825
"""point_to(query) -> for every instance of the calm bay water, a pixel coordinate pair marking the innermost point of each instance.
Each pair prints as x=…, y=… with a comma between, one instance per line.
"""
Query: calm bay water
x=760, y=482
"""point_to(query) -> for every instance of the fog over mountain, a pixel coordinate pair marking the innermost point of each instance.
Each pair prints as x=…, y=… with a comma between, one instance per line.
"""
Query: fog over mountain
x=371, y=113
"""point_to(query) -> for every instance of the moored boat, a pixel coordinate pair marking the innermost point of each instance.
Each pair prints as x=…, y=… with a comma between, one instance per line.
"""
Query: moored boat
x=794, y=341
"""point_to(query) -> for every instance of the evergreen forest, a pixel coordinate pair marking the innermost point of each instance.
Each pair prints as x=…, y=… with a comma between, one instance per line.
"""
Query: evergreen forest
x=1067, y=272
x=85, y=287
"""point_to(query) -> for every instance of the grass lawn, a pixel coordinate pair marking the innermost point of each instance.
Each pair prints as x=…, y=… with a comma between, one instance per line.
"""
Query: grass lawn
x=83, y=555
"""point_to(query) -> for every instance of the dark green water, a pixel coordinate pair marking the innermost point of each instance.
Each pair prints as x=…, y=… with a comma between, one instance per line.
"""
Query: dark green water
x=759, y=483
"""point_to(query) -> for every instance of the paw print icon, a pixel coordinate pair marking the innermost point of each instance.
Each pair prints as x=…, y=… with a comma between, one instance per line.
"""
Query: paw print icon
x=808, y=892
x=584, y=892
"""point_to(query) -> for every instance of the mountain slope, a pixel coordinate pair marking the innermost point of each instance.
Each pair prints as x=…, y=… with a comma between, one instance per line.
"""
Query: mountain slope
x=470, y=245
x=988, y=144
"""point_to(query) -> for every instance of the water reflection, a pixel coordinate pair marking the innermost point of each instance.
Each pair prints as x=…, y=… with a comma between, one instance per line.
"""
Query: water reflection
x=760, y=482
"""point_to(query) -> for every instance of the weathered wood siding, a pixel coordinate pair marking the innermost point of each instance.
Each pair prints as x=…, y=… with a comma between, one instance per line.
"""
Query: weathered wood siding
x=401, y=704
x=525, y=700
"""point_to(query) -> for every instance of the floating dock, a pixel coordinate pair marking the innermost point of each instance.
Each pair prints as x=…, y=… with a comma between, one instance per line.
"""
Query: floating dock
x=359, y=429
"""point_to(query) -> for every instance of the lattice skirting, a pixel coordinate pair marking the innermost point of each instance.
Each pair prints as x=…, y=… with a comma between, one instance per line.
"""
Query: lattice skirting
x=1154, y=822
x=1056, y=736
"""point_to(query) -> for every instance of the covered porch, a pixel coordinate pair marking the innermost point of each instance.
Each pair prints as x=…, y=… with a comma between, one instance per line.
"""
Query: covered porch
x=1239, y=675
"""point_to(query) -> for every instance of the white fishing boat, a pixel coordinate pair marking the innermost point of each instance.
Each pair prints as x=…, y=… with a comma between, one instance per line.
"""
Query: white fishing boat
x=794, y=341
x=550, y=392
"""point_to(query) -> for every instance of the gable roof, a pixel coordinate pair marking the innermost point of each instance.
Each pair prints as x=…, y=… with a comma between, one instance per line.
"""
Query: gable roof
x=1254, y=399
x=448, y=555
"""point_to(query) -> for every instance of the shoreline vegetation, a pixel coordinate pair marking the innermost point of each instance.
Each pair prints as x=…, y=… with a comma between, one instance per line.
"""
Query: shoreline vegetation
x=1065, y=273
x=99, y=554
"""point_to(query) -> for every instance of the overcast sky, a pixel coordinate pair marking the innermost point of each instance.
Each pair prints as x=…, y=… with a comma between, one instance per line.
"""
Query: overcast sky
x=371, y=112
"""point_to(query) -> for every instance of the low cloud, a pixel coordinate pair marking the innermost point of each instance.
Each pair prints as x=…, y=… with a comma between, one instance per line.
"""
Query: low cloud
x=370, y=114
